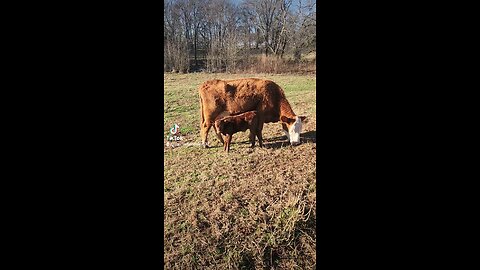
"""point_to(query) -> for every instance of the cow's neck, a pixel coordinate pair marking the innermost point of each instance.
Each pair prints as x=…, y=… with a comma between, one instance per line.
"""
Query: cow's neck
x=286, y=109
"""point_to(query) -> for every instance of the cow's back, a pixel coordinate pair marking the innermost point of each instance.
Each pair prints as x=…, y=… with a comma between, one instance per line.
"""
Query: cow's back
x=241, y=95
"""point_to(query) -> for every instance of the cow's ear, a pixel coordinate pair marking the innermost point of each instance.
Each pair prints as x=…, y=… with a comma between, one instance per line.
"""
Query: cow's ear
x=287, y=120
x=304, y=119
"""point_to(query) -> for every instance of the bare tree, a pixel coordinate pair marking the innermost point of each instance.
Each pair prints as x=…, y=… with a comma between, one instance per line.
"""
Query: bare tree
x=221, y=20
x=175, y=42
x=271, y=18
x=221, y=36
x=305, y=26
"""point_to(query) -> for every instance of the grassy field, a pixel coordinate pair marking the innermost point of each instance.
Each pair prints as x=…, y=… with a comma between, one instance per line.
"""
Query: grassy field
x=249, y=209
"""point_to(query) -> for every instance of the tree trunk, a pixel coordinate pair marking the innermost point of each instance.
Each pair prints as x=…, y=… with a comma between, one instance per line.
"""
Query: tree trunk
x=195, y=48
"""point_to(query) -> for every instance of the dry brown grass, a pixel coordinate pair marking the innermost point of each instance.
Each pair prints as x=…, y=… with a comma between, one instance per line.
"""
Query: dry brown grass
x=275, y=65
x=249, y=209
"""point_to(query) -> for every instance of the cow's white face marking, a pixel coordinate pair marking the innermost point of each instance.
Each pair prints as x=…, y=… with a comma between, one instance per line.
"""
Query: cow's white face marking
x=294, y=131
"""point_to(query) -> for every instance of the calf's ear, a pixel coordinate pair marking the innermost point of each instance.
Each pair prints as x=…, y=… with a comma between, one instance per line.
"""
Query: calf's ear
x=286, y=119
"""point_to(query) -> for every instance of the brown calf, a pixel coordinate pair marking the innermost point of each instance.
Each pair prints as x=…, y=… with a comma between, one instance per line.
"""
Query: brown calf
x=229, y=125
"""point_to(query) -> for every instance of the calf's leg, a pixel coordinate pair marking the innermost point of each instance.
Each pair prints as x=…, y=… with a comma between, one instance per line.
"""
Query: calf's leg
x=217, y=132
x=229, y=139
x=225, y=142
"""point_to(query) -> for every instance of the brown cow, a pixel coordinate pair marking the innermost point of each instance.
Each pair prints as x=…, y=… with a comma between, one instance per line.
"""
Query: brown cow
x=229, y=125
x=242, y=95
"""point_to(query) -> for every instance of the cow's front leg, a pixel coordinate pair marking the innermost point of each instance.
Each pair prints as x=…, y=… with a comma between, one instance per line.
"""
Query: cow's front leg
x=259, y=134
x=252, y=137
x=225, y=143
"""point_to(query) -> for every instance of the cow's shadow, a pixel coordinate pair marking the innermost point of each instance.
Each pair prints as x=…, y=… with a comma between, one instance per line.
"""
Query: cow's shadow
x=282, y=141
x=309, y=137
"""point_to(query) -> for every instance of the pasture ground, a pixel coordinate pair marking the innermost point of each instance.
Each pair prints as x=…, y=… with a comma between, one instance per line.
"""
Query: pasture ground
x=249, y=209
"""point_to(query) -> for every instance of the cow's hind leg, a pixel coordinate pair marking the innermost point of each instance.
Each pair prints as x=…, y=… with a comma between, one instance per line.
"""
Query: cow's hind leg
x=204, y=129
x=207, y=124
x=227, y=142
x=260, y=140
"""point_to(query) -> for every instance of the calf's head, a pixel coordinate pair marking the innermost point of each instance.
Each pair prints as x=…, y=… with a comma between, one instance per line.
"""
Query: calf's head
x=292, y=128
x=220, y=126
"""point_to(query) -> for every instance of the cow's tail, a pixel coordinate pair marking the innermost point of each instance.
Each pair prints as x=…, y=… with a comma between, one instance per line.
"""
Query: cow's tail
x=202, y=117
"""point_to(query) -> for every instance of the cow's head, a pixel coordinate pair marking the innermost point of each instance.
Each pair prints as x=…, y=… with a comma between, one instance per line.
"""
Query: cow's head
x=292, y=128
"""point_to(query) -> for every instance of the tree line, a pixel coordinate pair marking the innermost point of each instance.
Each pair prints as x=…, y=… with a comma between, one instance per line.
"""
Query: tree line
x=227, y=36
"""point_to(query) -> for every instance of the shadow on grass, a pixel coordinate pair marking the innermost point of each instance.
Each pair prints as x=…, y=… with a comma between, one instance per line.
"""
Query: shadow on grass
x=310, y=136
x=281, y=141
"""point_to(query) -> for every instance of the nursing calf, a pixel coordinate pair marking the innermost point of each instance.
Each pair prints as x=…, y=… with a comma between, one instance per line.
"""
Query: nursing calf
x=227, y=126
